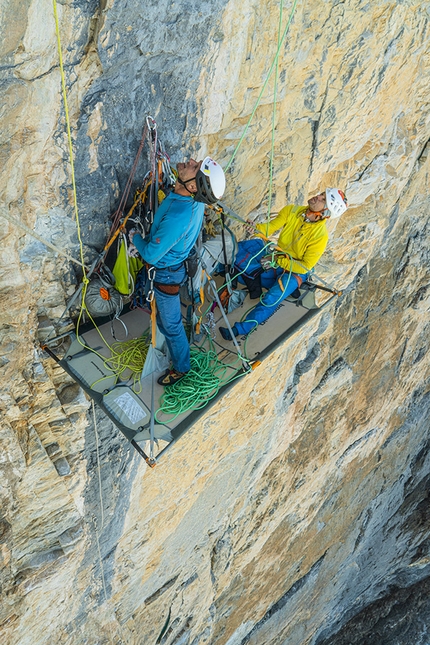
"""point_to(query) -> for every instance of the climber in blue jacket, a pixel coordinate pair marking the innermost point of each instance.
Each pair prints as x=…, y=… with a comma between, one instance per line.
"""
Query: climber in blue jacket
x=174, y=231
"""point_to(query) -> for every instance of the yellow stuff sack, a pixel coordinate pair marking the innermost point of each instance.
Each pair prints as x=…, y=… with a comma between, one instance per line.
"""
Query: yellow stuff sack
x=125, y=270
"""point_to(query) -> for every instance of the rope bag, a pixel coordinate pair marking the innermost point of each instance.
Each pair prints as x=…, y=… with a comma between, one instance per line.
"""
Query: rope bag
x=102, y=299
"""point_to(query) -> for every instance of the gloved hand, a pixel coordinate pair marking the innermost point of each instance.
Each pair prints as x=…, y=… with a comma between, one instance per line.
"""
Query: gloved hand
x=266, y=262
x=250, y=227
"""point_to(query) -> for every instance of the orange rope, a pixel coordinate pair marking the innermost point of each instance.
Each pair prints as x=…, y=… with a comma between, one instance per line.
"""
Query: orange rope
x=140, y=198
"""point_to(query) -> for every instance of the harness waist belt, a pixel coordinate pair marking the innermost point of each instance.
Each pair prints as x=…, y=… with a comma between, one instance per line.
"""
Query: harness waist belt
x=169, y=289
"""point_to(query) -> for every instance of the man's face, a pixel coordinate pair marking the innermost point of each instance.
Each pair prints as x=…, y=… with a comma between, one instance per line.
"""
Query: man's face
x=188, y=170
x=317, y=203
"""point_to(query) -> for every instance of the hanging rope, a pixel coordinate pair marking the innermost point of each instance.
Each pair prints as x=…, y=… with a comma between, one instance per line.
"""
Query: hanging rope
x=275, y=92
x=101, y=501
x=69, y=137
x=264, y=86
x=12, y=220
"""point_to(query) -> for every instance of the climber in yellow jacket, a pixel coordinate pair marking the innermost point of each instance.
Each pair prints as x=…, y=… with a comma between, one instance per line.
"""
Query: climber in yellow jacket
x=303, y=240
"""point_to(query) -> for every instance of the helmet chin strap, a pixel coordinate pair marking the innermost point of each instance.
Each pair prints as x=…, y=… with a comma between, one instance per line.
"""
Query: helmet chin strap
x=184, y=184
x=316, y=213
x=309, y=221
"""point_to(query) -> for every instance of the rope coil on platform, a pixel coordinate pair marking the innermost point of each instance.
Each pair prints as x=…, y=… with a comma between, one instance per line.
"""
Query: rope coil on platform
x=199, y=386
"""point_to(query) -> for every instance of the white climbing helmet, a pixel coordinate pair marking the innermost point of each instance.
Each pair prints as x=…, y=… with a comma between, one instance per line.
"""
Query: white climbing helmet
x=210, y=181
x=335, y=202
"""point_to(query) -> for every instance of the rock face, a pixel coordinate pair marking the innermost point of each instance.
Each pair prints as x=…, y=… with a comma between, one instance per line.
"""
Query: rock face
x=300, y=500
x=401, y=617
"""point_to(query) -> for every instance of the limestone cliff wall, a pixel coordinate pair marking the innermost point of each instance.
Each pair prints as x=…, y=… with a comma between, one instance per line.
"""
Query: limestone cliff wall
x=301, y=497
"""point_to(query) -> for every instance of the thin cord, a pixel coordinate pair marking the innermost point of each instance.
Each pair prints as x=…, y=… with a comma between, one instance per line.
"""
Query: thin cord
x=101, y=500
x=264, y=86
x=272, y=148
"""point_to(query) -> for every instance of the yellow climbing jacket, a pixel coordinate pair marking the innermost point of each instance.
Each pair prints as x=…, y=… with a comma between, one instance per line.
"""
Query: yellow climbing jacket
x=125, y=270
x=303, y=241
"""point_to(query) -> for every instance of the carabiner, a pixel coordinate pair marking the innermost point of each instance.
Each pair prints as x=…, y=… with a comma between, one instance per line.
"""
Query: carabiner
x=150, y=122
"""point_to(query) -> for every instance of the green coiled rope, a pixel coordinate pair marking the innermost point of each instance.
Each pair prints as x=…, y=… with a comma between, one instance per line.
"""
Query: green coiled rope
x=199, y=386
x=127, y=355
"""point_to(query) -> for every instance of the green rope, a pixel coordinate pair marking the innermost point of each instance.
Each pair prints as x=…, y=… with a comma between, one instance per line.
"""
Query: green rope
x=272, y=149
x=201, y=384
x=128, y=355
x=264, y=86
x=237, y=275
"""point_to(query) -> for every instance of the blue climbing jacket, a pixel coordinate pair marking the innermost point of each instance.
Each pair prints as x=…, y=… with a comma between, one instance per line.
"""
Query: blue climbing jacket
x=175, y=229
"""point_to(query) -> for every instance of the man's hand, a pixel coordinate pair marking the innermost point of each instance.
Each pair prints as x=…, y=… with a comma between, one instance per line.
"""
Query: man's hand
x=266, y=262
x=132, y=251
x=132, y=232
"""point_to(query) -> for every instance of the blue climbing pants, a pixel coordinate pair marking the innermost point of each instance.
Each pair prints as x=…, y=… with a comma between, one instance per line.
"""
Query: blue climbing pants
x=280, y=285
x=169, y=316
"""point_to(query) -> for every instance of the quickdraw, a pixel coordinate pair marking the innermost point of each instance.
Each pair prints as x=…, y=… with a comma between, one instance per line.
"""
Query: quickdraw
x=151, y=276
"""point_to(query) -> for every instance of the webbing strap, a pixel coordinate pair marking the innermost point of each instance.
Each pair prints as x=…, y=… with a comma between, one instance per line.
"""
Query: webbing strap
x=153, y=322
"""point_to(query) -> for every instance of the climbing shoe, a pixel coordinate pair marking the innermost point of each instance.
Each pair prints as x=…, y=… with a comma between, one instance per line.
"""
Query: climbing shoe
x=296, y=294
x=170, y=377
x=225, y=333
